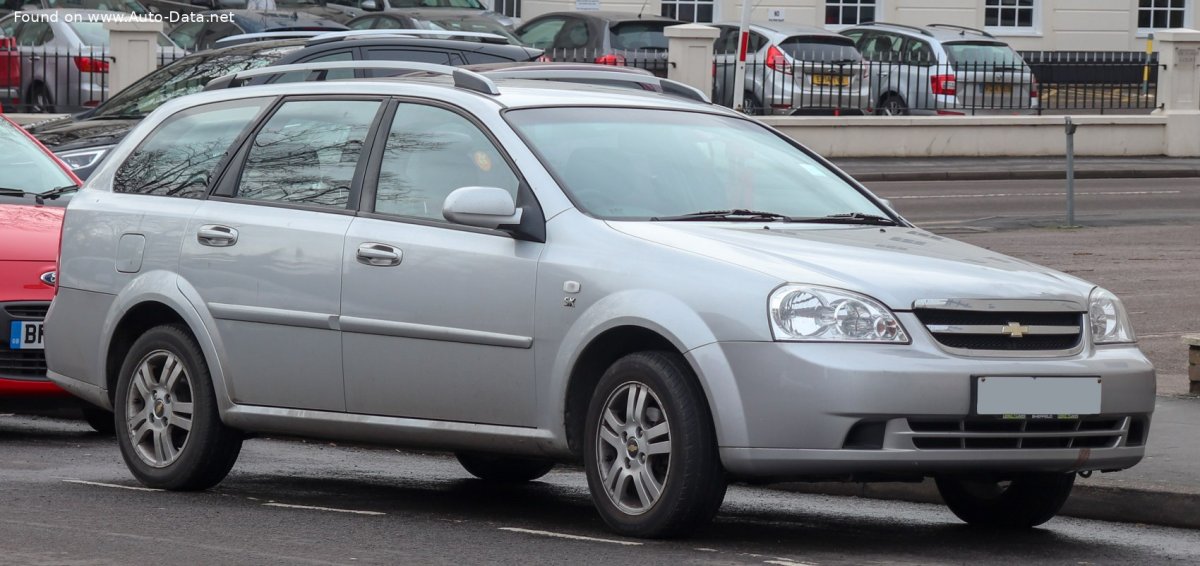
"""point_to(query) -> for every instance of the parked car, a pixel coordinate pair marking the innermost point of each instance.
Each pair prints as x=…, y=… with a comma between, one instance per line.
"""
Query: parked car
x=608, y=38
x=792, y=69
x=10, y=71
x=83, y=140
x=529, y=272
x=463, y=20
x=474, y=6
x=198, y=36
x=591, y=74
x=33, y=192
x=64, y=65
x=943, y=69
x=125, y=6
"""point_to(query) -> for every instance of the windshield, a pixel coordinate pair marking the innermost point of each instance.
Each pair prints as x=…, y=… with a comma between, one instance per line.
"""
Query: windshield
x=638, y=164
x=93, y=34
x=25, y=165
x=822, y=49
x=983, y=53
x=186, y=76
x=476, y=25
x=640, y=36
x=126, y=6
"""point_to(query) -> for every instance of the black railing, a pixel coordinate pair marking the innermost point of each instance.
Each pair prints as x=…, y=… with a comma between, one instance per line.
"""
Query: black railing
x=40, y=79
x=1049, y=83
x=653, y=60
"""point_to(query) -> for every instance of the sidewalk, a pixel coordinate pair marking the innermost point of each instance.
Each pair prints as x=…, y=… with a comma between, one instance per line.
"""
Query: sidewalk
x=1164, y=489
x=876, y=169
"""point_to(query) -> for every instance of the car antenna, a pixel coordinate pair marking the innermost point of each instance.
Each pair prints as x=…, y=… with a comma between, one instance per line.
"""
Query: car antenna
x=643, y=8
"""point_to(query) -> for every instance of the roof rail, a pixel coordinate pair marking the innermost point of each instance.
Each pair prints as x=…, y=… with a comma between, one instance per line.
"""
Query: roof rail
x=667, y=86
x=962, y=29
x=919, y=30
x=330, y=36
x=462, y=78
x=265, y=35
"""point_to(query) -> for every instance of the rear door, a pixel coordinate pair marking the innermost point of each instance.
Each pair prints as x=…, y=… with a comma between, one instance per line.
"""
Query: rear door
x=264, y=252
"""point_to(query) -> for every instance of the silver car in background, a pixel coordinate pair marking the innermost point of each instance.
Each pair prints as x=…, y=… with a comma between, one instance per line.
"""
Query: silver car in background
x=64, y=65
x=792, y=69
x=530, y=272
x=943, y=69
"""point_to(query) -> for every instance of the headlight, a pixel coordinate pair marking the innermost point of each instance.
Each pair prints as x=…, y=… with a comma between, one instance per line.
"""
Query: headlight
x=1110, y=324
x=78, y=159
x=822, y=314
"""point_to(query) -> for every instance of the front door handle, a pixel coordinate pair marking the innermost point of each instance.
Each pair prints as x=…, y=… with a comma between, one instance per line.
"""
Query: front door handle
x=379, y=255
x=217, y=236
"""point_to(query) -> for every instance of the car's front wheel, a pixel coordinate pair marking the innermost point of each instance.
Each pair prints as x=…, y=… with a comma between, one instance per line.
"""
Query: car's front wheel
x=504, y=469
x=1025, y=501
x=651, y=453
x=172, y=436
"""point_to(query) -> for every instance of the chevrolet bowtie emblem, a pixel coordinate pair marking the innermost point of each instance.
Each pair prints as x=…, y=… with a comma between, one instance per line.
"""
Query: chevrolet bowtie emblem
x=1014, y=329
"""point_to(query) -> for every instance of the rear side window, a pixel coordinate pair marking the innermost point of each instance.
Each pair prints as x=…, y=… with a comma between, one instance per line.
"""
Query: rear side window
x=307, y=152
x=821, y=48
x=982, y=53
x=178, y=158
x=639, y=36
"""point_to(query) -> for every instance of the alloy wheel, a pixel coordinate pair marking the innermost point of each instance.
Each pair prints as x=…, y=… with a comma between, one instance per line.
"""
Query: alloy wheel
x=159, y=405
x=633, y=448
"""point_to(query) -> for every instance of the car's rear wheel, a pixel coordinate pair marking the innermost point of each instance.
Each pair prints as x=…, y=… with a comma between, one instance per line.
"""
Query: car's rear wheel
x=1022, y=502
x=172, y=436
x=40, y=99
x=100, y=420
x=506, y=469
x=651, y=453
x=893, y=105
x=751, y=105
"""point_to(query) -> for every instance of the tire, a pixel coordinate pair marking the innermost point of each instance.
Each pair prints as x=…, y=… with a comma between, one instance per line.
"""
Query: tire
x=504, y=469
x=623, y=445
x=40, y=99
x=153, y=403
x=751, y=105
x=1027, y=501
x=893, y=105
x=100, y=420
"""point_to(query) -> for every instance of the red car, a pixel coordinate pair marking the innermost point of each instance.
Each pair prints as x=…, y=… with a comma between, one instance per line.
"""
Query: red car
x=33, y=184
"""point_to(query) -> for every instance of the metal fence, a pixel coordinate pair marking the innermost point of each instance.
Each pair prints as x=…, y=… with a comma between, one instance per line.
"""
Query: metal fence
x=39, y=79
x=653, y=60
x=1051, y=82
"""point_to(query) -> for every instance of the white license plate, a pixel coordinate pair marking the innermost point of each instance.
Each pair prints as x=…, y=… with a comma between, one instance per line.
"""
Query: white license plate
x=26, y=335
x=1038, y=396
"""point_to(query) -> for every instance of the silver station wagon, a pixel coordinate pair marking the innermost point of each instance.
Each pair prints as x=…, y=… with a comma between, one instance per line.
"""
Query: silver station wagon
x=530, y=272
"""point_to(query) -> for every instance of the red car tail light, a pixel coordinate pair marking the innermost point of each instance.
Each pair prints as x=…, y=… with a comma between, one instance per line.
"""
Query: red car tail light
x=611, y=59
x=777, y=61
x=91, y=65
x=1034, y=89
x=944, y=84
x=543, y=58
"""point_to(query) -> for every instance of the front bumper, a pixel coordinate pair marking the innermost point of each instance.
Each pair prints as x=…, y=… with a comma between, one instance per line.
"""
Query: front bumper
x=794, y=410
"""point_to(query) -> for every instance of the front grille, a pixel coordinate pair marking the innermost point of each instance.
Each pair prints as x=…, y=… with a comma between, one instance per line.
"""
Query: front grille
x=27, y=311
x=22, y=363
x=994, y=331
x=999, y=434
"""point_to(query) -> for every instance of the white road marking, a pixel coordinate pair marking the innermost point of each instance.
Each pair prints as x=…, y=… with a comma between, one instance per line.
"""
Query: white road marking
x=786, y=562
x=330, y=509
x=1058, y=194
x=702, y=549
x=113, y=485
x=570, y=537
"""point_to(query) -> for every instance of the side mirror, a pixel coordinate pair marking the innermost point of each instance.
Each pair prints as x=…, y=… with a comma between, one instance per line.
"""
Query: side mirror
x=370, y=5
x=485, y=207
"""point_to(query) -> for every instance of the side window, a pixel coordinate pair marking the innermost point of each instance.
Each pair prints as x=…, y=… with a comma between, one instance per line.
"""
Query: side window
x=299, y=76
x=215, y=31
x=541, y=34
x=179, y=156
x=756, y=43
x=574, y=35
x=727, y=42
x=430, y=152
x=365, y=23
x=855, y=36
x=917, y=52
x=185, y=35
x=34, y=34
x=882, y=47
x=439, y=57
x=8, y=26
x=307, y=152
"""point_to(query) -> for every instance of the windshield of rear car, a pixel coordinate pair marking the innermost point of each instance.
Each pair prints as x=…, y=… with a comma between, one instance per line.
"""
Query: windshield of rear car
x=185, y=76
x=639, y=36
x=127, y=6
x=25, y=165
x=822, y=49
x=93, y=34
x=637, y=164
x=982, y=53
x=475, y=25
x=471, y=4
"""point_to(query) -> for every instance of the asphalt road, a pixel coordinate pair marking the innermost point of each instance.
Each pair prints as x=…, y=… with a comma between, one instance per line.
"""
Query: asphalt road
x=67, y=499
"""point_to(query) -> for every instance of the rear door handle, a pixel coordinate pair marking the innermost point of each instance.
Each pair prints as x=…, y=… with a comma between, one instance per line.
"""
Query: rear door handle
x=379, y=255
x=217, y=236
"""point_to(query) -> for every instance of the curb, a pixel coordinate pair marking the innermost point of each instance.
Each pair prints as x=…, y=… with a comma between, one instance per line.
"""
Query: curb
x=1100, y=503
x=1023, y=175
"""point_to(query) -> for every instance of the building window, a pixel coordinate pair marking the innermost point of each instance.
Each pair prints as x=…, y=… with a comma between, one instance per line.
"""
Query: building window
x=849, y=12
x=1010, y=14
x=689, y=10
x=1162, y=14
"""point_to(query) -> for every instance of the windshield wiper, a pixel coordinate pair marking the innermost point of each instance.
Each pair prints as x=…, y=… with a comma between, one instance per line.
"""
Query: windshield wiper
x=39, y=197
x=849, y=218
x=60, y=191
x=736, y=214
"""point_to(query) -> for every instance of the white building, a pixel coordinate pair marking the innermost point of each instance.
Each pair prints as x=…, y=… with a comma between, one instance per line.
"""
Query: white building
x=1064, y=25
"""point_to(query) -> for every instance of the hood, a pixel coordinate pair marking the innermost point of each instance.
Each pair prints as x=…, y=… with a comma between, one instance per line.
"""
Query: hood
x=897, y=265
x=29, y=233
x=84, y=133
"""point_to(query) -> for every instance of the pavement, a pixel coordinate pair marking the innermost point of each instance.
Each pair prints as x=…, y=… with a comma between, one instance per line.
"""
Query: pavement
x=872, y=169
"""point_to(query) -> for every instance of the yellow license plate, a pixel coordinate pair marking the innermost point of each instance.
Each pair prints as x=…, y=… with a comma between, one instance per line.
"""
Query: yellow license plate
x=830, y=80
x=997, y=89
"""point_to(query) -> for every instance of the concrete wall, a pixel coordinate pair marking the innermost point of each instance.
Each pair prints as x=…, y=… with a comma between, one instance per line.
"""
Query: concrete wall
x=945, y=136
